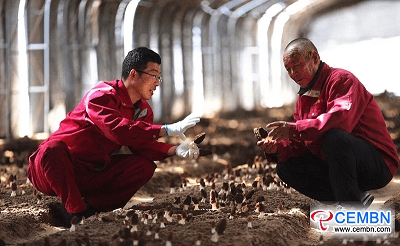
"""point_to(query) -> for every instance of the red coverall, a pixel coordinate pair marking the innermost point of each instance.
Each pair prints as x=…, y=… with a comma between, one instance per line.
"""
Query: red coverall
x=76, y=160
x=337, y=124
x=337, y=100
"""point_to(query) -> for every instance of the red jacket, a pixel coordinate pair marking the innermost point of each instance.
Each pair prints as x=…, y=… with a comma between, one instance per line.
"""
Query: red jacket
x=337, y=100
x=104, y=121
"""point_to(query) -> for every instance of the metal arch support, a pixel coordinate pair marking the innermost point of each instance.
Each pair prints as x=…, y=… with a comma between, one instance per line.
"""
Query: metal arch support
x=193, y=68
x=120, y=23
x=102, y=48
x=219, y=91
x=181, y=105
x=146, y=34
x=46, y=71
x=81, y=18
x=207, y=26
x=280, y=87
x=8, y=32
x=142, y=29
x=153, y=28
x=168, y=14
x=176, y=51
x=46, y=65
x=238, y=71
x=261, y=9
x=202, y=72
x=158, y=34
x=265, y=50
x=268, y=8
x=66, y=66
x=86, y=81
x=203, y=50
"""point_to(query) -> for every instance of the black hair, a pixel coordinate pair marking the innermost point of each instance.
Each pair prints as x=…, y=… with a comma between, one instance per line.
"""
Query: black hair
x=138, y=59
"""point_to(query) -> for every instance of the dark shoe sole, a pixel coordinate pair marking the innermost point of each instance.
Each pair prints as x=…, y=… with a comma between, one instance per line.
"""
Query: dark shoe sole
x=368, y=200
x=58, y=215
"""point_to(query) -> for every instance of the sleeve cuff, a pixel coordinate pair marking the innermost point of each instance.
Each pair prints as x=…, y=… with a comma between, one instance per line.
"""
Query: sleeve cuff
x=293, y=133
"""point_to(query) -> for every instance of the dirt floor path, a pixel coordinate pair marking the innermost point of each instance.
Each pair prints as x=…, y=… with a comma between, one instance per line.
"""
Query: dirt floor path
x=24, y=220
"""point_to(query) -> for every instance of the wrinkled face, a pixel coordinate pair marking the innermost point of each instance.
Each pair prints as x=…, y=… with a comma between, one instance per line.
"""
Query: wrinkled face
x=301, y=66
x=146, y=81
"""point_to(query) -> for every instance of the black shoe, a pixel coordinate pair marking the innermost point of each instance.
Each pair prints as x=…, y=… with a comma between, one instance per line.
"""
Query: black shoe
x=58, y=215
x=90, y=210
x=367, y=200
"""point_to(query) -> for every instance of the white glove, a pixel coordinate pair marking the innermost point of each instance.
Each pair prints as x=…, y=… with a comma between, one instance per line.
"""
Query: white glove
x=187, y=150
x=178, y=128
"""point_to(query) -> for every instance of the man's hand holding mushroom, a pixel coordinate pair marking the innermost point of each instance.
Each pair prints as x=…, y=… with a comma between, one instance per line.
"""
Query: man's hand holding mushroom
x=278, y=130
x=268, y=146
x=187, y=150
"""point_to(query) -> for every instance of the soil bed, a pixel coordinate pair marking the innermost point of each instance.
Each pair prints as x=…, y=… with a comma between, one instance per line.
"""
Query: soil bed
x=24, y=221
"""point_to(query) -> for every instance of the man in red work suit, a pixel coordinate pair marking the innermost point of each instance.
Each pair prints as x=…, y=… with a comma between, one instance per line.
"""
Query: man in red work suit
x=77, y=163
x=338, y=148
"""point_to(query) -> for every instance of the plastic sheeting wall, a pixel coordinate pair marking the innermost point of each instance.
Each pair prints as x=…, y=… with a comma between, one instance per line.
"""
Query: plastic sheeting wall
x=218, y=55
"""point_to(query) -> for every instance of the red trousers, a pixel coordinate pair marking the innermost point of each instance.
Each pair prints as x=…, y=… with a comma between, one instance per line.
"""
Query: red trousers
x=53, y=171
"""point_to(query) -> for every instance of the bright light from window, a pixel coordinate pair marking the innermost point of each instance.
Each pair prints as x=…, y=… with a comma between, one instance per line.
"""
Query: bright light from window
x=198, y=89
x=297, y=6
x=375, y=76
x=247, y=88
x=128, y=26
x=23, y=88
x=277, y=99
x=263, y=43
x=178, y=67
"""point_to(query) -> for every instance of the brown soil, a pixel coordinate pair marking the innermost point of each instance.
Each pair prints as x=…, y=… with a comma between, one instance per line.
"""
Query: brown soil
x=24, y=221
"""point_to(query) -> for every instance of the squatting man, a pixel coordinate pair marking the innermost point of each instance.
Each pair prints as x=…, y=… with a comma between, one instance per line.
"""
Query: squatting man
x=338, y=147
x=77, y=164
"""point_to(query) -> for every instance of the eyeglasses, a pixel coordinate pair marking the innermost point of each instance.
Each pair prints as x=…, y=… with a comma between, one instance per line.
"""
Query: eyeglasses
x=159, y=78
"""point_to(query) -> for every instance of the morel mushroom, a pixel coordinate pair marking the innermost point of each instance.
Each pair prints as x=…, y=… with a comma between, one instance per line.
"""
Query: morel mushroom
x=13, y=189
x=199, y=138
x=135, y=237
x=261, y=209
x=129, y=214
x=202, y=184
x=213, y=200
x=162, y=224
x=198, y=240
x=134, y=222
x=249, y=222
x=74, y=222
x=203, y=195
x=220, y=228
x=196, y=203
x=168, y=242
x=180, y=219
x=186, y=202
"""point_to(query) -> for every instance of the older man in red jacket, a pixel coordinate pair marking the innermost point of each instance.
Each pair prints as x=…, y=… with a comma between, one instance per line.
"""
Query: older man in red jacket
x=338, y=148
x=77, y=163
